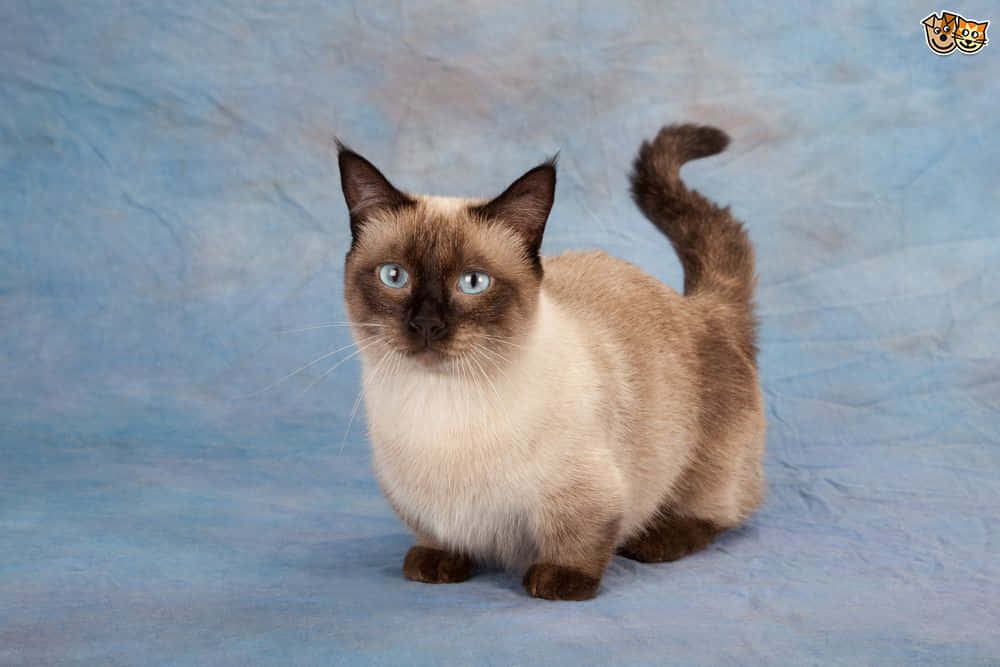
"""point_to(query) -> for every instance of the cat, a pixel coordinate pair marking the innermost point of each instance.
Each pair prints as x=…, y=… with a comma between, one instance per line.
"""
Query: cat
x=549, y=412
x=941, y=32
x=970, y=36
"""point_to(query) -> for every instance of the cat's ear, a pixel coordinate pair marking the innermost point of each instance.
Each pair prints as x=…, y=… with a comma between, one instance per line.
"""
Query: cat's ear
x=525, y=205
x=366, y=190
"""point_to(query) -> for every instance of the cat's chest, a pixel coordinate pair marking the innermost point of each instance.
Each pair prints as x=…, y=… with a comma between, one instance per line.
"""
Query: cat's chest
x=439, y=413
x=456, y=461
x=445, y=434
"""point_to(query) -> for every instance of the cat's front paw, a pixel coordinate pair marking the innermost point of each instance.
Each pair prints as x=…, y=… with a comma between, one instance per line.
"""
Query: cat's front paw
x=557, y=582
x=434, y=566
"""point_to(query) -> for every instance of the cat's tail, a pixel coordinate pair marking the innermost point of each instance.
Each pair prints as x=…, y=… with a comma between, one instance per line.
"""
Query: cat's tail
x=713, y=247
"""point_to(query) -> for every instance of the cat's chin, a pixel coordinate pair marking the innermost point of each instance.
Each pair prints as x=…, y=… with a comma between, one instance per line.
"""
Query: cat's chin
x=429, y=358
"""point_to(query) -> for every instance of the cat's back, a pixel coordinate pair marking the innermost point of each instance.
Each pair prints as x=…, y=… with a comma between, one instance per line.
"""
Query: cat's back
x=596, y=287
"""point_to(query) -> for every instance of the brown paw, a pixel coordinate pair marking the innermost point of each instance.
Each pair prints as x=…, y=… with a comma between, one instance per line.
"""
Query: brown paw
x=670, y=539
x=555, y=582
x=434, y=566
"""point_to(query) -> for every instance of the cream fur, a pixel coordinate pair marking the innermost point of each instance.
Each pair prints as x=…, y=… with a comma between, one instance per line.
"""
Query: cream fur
x=577, y=405
x=490, y=468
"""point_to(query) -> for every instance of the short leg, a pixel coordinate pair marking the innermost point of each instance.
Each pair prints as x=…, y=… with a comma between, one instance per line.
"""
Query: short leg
x=427, y=560
x=572, y=556
x=670, y=538
x=432, y=565
x=560, y=582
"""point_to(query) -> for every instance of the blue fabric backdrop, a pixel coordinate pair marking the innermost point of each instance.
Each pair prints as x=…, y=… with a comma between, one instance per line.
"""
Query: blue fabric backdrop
x=169, y=203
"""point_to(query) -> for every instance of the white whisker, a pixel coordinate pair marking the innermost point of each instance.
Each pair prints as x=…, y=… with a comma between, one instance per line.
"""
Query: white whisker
x=496, y=365
x=463, y=368
x=486, y=377
x=505, y=415
x=337, y=365
x=470, y=377
x=302, y=368
x=326, y=325
x=494, y=353
x=503, y=340
x=357, y=401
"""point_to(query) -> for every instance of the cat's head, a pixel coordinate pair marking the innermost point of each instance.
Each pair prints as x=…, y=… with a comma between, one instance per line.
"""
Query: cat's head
x=941, y=32
x=970, y=36
x=442, y=280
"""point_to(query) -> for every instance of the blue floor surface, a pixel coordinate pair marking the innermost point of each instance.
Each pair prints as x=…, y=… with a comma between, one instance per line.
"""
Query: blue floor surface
x=169, y=201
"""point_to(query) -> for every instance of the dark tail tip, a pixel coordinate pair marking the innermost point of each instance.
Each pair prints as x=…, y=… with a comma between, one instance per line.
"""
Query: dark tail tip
x=655, y=176
x=655, y=179
x=688, y=142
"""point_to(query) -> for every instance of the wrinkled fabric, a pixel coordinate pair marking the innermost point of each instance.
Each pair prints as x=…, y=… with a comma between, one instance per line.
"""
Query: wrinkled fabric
x=170, y=210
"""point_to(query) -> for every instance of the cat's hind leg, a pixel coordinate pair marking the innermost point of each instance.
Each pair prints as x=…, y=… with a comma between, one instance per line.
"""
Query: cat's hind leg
x=717, y=493
x=670, y=537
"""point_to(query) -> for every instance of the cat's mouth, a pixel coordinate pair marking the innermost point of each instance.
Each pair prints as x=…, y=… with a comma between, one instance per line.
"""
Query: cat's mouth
x=428, y=353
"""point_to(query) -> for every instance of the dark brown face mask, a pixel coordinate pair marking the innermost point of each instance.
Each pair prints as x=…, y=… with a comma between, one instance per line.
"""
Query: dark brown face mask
x=436, y=277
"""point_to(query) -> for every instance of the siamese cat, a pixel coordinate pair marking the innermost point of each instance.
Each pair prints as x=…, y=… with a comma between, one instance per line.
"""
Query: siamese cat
x=549, y=412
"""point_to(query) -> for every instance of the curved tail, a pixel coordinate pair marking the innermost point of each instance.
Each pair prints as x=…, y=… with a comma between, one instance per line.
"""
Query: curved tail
x=713, y=246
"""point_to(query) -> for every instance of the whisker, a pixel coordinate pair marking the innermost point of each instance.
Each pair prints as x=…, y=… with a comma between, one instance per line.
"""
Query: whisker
x=463, y=368
x=496, y=365
x=470, y=377
x=503, y=340
x=397, y=364
x=473, y=378
x=337, y=365
x=504, y=414
x=456, y=365
x=301, y=368
x=496, y=354
x=486, y=376
x=350, y=422
x=326, y=325
x=357, y=401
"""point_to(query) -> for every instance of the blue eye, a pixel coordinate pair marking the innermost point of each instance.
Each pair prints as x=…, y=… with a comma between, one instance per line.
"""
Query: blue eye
x=393, y=275
x=474, y=282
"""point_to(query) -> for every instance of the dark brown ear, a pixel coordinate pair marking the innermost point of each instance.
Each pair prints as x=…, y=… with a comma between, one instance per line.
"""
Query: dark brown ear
x=366, y=190
x=525, y=205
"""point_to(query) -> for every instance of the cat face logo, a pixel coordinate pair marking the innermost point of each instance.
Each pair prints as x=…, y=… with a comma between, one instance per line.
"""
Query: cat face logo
x=970, y=36
x=941, y=32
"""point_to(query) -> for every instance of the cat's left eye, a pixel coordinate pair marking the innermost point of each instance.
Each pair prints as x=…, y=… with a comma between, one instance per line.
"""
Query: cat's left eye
x=975, y=33
x=474, y=282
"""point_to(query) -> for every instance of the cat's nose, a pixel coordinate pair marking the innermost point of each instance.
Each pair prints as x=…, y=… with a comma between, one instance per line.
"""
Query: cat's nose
x=943, y=37
x=431, y=327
